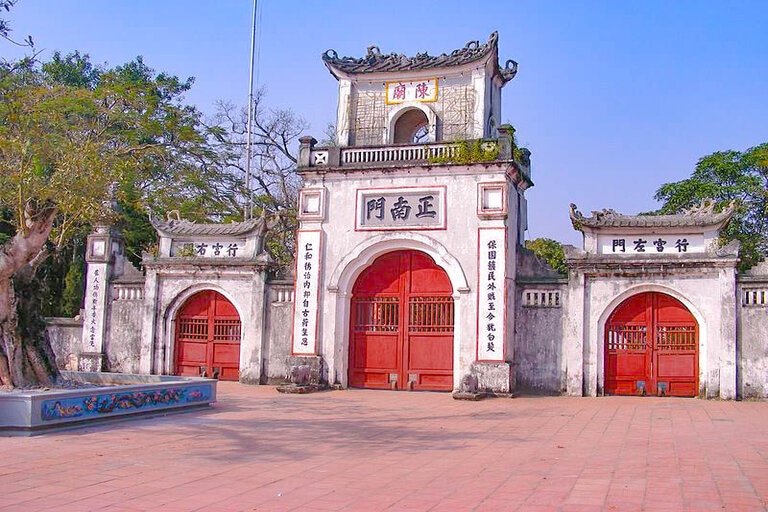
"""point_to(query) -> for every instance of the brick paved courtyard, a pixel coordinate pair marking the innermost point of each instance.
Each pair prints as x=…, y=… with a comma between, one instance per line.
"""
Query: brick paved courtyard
x=376, y=450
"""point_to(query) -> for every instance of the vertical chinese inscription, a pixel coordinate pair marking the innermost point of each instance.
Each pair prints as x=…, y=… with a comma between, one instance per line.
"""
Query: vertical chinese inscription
x=93, y=306
x=491, y=294
x=94, y=303
x=306, y=297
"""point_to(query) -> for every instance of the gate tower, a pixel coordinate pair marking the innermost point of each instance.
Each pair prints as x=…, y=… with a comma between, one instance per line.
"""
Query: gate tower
x=409, y=224
x=650, y=305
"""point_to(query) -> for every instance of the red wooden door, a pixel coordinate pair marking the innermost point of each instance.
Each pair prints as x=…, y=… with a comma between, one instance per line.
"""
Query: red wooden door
x=208, y=337
x=651, y=347
x=401, y=333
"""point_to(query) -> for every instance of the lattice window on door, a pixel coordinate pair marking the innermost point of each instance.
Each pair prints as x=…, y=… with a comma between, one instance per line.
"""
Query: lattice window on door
x=430, y=314
x=226, y=330
x=678, y=337
x=193, y=328
x=376, y=314
x=754, y=297
x=627, y=337
x=541, y=299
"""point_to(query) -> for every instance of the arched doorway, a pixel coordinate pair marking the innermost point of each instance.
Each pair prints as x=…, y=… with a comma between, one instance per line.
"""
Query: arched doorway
x=651, y=347
x=412, y=127
x=401, y=332
x=208, y=337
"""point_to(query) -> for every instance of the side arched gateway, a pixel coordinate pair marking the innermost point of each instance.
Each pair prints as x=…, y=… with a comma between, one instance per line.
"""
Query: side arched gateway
x=208, y=337
x=651, y=347
x=401, y=332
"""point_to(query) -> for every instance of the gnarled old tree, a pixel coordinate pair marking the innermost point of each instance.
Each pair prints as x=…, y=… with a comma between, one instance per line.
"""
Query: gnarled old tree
x=69, y=134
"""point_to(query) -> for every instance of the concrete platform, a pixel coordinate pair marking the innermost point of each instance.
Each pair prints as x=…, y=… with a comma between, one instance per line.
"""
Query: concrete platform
x=259, y=450
x=109, y=397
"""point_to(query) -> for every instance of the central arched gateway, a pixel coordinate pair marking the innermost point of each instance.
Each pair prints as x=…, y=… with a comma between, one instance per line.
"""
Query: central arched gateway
x=651, y=347
x=208, y=337
x=402, y=325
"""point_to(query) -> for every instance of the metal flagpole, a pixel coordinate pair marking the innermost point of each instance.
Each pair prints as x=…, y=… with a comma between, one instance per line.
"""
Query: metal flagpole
x=247, y=210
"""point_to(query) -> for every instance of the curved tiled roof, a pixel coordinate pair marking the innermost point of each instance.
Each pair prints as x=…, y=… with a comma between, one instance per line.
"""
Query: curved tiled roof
x=376, y=62
x=180, y=227
x=703, y=215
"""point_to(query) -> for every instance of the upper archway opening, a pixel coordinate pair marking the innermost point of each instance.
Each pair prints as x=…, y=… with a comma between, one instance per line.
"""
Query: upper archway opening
x=412, y=127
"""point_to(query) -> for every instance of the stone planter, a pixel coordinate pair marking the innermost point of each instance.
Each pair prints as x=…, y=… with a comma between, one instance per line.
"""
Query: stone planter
x=112, y=396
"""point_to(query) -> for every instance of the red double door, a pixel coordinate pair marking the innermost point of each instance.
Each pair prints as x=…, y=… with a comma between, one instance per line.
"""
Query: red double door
x=208, y=337
x=401, y=333
x=651, y=348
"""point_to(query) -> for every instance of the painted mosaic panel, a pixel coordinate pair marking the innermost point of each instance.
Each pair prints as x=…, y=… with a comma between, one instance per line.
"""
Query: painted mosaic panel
x=114, y=403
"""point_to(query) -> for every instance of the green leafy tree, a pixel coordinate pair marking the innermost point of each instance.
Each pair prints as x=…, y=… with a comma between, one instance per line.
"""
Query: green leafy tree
x=74, y=138
x=74, y=282
x=551, y=251
x=726, y=176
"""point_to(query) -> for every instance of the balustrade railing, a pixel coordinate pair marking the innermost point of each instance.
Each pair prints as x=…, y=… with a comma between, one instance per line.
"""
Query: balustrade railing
x=127, y=292
x=282, y=294
x=500, y=149
x=541, y=298
x=388, y=154
x=754, y=297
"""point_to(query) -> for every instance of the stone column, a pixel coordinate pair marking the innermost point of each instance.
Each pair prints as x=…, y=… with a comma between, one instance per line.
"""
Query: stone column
x=104, y=260
x=495, y=311
x=479, y=82
x=343, y=117
x=149, y=321
x=306, y=144
x=573, y=334
x=730, y=297
x=252, y=346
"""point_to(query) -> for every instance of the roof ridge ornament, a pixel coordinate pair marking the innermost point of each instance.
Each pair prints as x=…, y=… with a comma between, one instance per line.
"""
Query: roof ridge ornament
x=707, y=207
x=373, y=52
x=174, y=225
x=701, y=215
x=375, y=61
x=510, y=69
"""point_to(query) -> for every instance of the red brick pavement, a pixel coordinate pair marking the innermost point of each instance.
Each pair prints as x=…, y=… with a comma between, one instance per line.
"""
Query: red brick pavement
x=258, y=450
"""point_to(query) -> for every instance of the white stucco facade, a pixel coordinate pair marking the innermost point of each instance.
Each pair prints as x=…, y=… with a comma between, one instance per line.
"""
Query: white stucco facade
x=456, y=194
x=702, y=277
x=347, y=251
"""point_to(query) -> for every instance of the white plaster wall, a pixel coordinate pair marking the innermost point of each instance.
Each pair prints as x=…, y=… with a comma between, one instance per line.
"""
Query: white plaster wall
x=346, y=252
x=538, y=358
x=277, y=333
x=166, y=292
x=708, y=298
x=66, y=338
x=753, y=353
x=122, y=345
x=461, y=108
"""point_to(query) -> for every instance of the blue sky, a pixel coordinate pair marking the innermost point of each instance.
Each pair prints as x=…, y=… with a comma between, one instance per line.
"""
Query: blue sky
x=613, y=98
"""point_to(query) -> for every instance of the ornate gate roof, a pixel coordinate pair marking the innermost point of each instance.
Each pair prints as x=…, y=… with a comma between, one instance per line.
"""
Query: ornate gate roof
x=376, y=62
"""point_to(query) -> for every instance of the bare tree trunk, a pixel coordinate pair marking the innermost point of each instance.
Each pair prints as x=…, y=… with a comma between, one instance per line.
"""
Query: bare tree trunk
x=10, y=351
x=5, y=372
x=24, y=356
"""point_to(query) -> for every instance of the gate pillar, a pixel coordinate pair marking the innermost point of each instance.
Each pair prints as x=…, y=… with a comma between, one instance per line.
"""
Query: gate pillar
x=104, y=260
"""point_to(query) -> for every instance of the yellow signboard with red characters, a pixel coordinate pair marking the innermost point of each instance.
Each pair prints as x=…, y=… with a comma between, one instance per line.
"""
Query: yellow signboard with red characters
x=418, y=90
